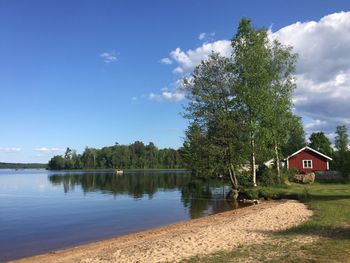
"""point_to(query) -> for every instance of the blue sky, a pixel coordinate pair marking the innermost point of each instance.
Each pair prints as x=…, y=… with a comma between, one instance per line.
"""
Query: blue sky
x=92, y=73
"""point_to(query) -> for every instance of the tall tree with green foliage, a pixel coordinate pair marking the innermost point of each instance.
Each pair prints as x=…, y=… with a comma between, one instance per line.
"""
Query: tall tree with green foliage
x=194, y=152
x=68, y=154
x=255, y=76
x=242, y=105
x=279, y=114
x=295, y=139
x=342, y=139
x=216, y=118
x=342, y=154
x=320, y=142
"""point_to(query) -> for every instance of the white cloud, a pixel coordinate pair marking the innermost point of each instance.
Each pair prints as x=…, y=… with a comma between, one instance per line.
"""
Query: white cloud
x=109, y=57
x=173, y=93
x=10, y=149
x=173, y=96
x=323, y=82
x=315, y=125
x=48, y=150
x=206, y=36
x=323, y=69
x=201, y=36
x=188, y=60
x=166, y=61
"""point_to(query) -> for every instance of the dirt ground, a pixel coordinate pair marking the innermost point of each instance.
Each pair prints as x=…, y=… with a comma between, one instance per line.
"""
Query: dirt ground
x=202, y=236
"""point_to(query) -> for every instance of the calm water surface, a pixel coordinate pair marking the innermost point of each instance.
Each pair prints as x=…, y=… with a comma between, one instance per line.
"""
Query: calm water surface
x=42, y=210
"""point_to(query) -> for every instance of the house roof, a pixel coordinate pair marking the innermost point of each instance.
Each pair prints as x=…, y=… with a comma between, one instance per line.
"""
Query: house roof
x=313, y=150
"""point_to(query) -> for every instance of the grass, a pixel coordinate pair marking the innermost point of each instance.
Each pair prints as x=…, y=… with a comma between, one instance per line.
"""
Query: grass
x=324, y=238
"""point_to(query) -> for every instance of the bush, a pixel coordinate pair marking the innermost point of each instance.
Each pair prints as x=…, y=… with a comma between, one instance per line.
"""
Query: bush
x=269, y=193
x=289, y=174
x=251, y=193
x=268, y=177
x=256, y=193
x=245, y=179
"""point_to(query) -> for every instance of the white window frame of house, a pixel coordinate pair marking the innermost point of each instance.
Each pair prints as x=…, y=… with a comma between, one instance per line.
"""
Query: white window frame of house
x=307, y=162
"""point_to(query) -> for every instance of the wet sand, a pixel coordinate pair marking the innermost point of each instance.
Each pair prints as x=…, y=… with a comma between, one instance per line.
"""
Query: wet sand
x=201, y=236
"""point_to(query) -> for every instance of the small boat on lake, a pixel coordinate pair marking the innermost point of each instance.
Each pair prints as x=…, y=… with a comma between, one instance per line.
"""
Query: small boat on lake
x=119, y=172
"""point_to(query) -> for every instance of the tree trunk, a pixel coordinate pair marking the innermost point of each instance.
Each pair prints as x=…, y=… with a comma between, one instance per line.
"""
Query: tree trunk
x=234, y=193
x=253, y=168
x=233, y=177
x=277, y=162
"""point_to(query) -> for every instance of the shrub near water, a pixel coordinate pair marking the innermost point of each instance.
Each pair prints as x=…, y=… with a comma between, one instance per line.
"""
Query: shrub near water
x=261, y=192
x=251, y=193
x=269, y=193
x=268, y=181
x=267, y=176
x=244, y=179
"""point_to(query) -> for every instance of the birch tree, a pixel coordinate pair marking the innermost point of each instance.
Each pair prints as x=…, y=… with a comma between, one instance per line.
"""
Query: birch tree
x=251, y=67
x=279, y=117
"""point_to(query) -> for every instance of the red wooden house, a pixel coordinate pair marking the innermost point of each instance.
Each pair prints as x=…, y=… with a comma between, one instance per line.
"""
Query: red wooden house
x=308, y=160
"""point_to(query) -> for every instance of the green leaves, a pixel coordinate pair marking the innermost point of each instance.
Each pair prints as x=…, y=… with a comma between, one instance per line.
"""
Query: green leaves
x=241, y=105
x=133, y=156
x=320, y=142
x=342, y=139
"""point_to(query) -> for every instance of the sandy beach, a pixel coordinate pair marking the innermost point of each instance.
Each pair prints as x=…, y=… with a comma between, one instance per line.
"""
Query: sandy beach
x=175, y=242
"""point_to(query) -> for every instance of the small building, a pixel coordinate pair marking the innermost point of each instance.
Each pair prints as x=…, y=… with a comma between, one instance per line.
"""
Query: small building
x=308, y=160
x=270, y=163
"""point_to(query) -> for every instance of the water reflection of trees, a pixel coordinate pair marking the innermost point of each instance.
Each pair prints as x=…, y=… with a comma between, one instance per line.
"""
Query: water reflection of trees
x=197, y=194
x=201, y=194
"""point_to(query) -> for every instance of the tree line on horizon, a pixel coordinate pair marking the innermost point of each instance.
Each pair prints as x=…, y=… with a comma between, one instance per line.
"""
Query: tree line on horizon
x=141, y=156
x=22, y=165
x=133, y=156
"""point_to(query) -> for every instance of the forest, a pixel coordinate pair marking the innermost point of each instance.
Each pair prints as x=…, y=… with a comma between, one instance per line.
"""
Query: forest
x=133, y=156
x=23, y=165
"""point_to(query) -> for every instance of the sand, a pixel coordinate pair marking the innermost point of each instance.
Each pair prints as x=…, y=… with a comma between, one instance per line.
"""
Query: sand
x=201, y=236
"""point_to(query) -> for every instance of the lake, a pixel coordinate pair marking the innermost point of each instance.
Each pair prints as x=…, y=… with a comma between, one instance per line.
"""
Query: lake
x=44, y=210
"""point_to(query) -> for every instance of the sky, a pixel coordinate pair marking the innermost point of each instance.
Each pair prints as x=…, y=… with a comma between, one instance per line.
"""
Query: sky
x=93, y=73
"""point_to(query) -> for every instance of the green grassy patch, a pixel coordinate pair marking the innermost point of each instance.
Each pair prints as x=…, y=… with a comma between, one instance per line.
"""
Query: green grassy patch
x=324, y=238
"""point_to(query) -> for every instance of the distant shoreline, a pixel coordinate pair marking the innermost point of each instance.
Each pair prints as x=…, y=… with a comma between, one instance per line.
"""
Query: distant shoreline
x=23, y=165
x=112, y=170
x=101, y=170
